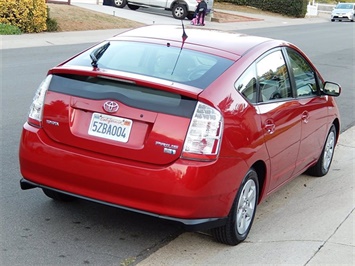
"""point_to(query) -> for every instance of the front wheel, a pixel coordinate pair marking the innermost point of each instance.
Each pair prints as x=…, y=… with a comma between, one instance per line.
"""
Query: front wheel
x=322, y=166
x=242, y=213
x=179, y=11
x=119, y=3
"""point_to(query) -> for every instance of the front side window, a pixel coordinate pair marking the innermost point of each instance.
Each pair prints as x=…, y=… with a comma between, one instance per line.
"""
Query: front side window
x=303, y=74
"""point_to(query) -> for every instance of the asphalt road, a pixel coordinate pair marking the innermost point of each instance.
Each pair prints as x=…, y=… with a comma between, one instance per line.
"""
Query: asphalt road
x=37, y=231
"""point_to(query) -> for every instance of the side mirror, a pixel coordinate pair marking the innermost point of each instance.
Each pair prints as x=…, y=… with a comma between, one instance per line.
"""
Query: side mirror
x=331, y=89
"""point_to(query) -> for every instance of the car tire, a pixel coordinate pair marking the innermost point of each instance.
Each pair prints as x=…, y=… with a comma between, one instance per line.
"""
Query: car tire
x=179, y=11
x=132, y=7
x=190, y=16
x=241, y=215
x=57, y=196
x=119, y=3
x=322, y=166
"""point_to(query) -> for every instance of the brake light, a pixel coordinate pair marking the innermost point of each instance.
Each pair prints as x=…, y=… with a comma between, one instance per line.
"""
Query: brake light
x=36, y=109
x=204, y=134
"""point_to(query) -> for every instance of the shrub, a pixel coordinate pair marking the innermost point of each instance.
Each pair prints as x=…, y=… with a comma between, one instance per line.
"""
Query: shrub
x=292, y=8
x=6, y=29
x=52, y=24
x=334, y=2
x=28, y=15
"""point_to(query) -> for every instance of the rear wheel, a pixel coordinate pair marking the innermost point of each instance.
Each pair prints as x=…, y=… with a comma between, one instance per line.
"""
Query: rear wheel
x=119, y=3
x=132, y=7
x=242, y=214
x=322, y=166
x=179, y=11
x=57, y=195
x=190, y=16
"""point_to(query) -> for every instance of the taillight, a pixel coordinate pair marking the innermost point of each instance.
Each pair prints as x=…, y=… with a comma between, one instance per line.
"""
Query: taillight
x=36, y=109
x=204, y=134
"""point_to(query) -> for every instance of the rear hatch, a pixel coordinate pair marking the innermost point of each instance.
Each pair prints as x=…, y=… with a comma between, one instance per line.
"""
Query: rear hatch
x=132, y=99
x=116, y=118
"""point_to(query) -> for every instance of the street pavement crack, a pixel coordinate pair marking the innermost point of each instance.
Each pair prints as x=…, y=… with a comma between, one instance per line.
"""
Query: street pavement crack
x=327, y=240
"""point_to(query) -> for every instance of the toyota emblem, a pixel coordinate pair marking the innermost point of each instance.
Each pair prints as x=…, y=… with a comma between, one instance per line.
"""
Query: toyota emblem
x=110, y=106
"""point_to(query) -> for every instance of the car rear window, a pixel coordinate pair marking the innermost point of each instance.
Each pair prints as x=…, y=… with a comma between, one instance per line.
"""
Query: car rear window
x=185, y=66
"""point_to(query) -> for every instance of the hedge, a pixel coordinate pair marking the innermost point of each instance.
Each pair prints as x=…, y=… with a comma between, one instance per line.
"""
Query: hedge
x=291, y=8
x=28, y=15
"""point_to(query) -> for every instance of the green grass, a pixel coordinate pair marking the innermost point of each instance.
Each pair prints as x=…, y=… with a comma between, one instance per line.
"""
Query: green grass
x=6, y=29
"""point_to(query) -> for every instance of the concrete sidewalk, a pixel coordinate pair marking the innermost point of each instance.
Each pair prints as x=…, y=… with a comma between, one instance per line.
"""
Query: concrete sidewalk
x=310, y=221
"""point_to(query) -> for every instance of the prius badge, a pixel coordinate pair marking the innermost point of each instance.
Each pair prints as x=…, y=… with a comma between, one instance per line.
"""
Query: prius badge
x=110, y=106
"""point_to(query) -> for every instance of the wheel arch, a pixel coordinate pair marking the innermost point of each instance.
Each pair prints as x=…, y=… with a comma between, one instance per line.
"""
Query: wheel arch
x=260, y=169
x=336, y=123
x=176, y=2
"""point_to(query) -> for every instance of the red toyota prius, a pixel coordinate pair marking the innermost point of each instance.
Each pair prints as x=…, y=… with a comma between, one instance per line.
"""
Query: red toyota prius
x=191, y=125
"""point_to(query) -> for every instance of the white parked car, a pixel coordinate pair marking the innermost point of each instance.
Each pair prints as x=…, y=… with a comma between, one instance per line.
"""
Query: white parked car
x=343, y=11
x=180, y=8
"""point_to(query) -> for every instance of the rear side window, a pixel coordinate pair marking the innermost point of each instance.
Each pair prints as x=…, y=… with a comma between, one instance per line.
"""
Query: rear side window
x=247, y=86
x=160, y=61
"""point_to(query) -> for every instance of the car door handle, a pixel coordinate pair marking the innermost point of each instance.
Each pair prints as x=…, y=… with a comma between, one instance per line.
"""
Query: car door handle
x=305, y=117
x=269, y=126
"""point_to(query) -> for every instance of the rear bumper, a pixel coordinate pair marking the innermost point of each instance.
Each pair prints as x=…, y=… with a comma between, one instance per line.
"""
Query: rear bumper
x=192, y=193
x=189, y=224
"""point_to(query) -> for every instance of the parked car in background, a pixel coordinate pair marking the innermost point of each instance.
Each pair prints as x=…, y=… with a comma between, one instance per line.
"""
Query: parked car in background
x=180, y=9
x=343, y=11
x=196, y=129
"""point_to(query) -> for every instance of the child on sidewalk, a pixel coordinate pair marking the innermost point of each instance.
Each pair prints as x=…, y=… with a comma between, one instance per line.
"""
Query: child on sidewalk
x=195, y=19
x=202, y=10
x=200, y=13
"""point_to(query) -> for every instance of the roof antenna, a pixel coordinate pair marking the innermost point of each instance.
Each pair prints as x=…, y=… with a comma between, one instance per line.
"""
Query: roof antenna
x=184, y=37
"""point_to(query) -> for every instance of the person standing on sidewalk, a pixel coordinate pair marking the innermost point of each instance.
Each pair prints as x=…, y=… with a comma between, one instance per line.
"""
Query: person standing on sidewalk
x=202, y=10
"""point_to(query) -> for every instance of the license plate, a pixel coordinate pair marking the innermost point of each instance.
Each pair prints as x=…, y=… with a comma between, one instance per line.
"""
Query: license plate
x=110, y=127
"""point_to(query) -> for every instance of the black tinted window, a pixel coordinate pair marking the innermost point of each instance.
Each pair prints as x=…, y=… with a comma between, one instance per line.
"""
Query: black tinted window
x=127, y=93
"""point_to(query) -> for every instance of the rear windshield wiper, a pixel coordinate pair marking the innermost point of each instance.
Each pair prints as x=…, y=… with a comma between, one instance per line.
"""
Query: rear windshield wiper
x=97, y=53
